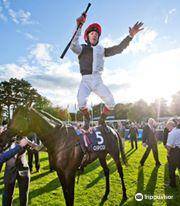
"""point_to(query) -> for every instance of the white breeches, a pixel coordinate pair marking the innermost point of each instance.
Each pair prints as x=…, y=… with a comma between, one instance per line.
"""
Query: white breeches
x=94, y=83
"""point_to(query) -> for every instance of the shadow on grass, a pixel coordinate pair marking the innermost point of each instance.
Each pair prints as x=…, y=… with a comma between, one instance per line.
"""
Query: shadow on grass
x=39, y=175
x=47, y=167
x=151, y=185
x=1, y=182
x=140, y=186
x=94, y=165
x=1, y=191
x=122, y=202
x=169, y=191
x=130, y=153
x=140, y=180
x=50, y=186
x=112, y=169
x=43, y=159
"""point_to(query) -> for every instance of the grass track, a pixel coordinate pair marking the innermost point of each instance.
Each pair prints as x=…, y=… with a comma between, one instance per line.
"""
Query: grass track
x=45, y=189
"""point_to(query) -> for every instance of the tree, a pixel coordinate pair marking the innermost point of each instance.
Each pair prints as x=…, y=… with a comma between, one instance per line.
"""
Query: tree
x=97, y=109
x=160, y=108
x=121, y=110
x=6, y=96
x=42, y=103
x=1, y=113
x=15, y=92
x=139, y=111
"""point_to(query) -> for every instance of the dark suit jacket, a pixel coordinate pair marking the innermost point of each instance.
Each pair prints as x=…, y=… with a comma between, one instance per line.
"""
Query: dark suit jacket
x=148, y=136
x=165, y=135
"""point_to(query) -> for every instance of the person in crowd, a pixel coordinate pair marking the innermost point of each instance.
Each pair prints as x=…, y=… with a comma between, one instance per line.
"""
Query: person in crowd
x=17, y=169
x=173, y=148
x=33, y=152
x=167, y=130
x=121, y=130
x=3, y=127
x=149, y=141
x=133, y=134
x=5, y=156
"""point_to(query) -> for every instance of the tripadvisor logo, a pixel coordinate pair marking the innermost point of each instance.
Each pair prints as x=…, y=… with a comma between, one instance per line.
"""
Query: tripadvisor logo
x=138, y=197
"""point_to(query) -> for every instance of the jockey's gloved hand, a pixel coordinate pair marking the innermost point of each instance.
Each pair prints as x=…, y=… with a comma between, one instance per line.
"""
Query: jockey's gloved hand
x=135, y=29
x=80, y=21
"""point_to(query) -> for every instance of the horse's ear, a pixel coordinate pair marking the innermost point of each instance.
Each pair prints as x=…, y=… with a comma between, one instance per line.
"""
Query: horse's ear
x=30, y=104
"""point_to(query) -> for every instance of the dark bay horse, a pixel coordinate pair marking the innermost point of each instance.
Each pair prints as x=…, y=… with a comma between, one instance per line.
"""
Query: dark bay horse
x=62, y=145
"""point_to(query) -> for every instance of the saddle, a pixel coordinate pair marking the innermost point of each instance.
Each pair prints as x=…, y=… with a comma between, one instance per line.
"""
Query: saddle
x=91, y=140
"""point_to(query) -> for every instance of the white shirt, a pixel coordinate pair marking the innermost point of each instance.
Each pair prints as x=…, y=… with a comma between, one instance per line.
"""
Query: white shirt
x=174, y=138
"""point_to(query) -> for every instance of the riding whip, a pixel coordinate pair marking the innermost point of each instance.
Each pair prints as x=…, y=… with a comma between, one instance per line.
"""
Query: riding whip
x=68, y=45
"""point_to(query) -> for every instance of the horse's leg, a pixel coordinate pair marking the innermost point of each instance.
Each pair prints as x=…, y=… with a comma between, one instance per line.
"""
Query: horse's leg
x=120, y=171
x=70, y=184
x=64, y=187
x=106, y=173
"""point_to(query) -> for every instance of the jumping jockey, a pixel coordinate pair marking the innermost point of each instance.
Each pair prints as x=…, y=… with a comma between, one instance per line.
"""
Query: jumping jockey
x=91, y=60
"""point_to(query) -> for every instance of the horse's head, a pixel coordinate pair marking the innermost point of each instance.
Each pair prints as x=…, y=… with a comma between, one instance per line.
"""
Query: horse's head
x=21, y=121
x=19, y=125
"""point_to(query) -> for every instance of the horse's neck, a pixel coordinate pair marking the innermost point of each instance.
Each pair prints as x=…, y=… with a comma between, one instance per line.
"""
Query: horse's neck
x=42, y=127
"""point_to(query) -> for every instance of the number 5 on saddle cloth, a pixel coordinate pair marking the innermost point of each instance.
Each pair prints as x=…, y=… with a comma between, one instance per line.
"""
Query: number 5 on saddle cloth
x=92, y=140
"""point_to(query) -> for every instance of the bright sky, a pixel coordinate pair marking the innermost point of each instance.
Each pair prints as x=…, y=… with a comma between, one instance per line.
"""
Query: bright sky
x=34, y=33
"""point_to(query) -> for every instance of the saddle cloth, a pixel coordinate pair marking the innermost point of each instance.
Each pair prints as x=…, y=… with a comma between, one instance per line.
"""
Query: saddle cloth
x=92, y=139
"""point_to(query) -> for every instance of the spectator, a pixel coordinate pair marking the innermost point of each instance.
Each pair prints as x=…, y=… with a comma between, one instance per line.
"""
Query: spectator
x=149, y=140
x=33, y=152
x=5, y=156
x=16, y=169
x=133, y=134
x=173, y=147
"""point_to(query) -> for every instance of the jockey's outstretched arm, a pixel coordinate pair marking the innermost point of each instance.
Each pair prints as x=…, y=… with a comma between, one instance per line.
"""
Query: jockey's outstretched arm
x=120, y=47
x=117, y=49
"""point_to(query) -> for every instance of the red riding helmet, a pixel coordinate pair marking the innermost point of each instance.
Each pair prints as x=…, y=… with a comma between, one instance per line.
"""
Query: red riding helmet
x=92, y=27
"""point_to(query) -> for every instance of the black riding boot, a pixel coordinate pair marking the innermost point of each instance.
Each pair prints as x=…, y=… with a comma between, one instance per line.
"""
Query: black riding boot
x=102, y=119
x=86, y=116
x=86, y=121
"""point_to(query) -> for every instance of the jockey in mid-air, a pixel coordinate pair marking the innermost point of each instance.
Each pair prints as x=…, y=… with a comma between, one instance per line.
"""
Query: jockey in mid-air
x=91, y=60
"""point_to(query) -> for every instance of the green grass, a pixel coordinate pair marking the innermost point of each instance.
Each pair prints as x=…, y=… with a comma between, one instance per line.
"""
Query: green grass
x=45, y=188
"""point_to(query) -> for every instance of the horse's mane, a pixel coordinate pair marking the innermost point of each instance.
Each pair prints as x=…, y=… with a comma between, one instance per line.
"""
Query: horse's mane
x=59, y=125
x=62, y=129
x=51, y=118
